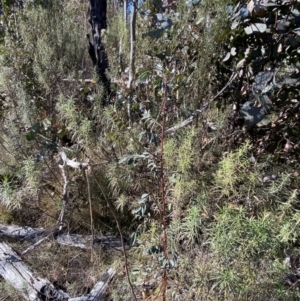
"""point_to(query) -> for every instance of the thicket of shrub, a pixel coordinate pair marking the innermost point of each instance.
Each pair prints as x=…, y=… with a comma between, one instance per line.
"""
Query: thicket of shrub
x=230, y=176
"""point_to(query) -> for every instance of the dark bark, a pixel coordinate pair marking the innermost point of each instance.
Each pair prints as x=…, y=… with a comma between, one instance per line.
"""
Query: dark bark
x=97, y=50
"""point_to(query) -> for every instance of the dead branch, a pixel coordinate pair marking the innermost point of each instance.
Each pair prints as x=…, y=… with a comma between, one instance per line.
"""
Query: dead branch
x=72, y=240
x=91, y=211
x=16, y=232
x=181, y=125
x=32, y=288
x=64, y=173
x=14, y=271
x=73, y=164
x=85, y=242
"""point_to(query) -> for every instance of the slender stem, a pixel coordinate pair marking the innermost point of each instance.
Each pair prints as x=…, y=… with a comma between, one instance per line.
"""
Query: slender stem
x=162, y=183
x=132, y=45
x=125, y=11
x=91, y=211
x=65, y=197
x=112, y=210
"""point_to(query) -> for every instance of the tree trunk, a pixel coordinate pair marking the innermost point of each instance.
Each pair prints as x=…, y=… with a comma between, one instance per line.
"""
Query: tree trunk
x=96, y=47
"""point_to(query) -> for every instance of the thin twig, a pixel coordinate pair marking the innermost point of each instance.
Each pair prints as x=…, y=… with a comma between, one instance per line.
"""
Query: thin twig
x=181, y=125
x=232, y=78
x=112, y=210
x=132, y=45
x=203, y=107
x=162, y=182
x=65, y=194
x=91, y=211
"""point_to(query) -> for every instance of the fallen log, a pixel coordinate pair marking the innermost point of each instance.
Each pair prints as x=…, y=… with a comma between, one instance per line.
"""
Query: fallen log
x=16, y=232
x=84, y=242
x=32, y=288
x=72, y=240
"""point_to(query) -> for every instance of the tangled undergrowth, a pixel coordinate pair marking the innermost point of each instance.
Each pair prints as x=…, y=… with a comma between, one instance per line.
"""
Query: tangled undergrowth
x=196, y=161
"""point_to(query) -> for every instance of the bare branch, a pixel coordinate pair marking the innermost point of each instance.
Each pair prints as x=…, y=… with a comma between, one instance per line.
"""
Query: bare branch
x=91, y=211
x=72, y=163
x=65, y=194
x=181, y=125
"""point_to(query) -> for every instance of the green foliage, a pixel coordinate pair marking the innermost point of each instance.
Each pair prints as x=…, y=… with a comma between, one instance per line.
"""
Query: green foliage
x=240, y=244
x=9, y=196
x=289, y=218
x=179, y=155
x=58, y=50
x=231, y=209
x=76, y=124
x=271, y=66
x=67, y=109
x=44, y=46
x=236, y=234
x=117, y=43
x=31, y=173
x=190, y=226
x=235, y=169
